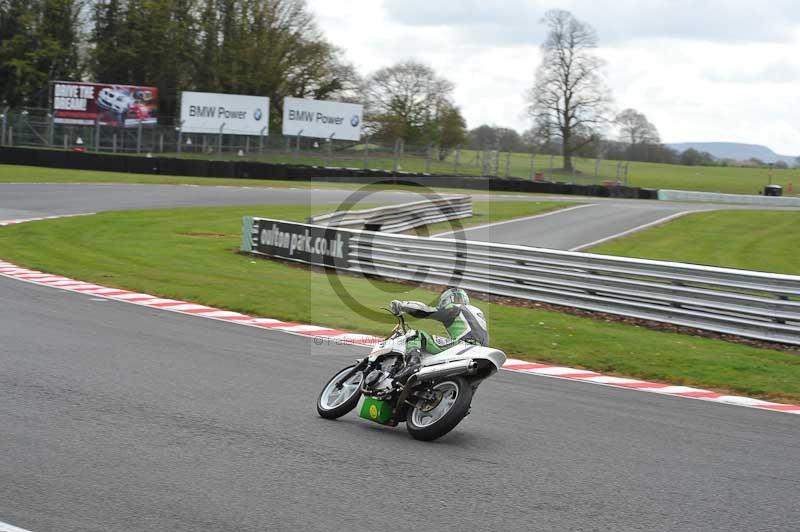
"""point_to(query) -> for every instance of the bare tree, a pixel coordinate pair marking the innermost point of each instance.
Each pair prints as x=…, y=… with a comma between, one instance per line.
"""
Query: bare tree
x=569, y=99
x=635, y=128
x=406, y=99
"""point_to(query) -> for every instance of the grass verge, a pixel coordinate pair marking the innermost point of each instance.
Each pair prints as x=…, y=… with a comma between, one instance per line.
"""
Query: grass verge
x=753, y=240
x=191, y=254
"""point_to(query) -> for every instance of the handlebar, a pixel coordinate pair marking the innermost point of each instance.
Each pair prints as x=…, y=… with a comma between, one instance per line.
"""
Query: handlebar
x=401, y=321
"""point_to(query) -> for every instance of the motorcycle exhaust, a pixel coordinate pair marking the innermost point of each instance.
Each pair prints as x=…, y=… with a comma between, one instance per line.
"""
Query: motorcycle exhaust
x=448, y=369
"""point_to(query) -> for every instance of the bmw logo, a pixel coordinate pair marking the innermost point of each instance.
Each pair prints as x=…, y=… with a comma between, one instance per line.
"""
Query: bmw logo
x=354, y=121
x=257, y=114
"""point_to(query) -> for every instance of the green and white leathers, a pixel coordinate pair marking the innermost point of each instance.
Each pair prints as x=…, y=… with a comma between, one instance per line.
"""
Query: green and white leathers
x=464, y=322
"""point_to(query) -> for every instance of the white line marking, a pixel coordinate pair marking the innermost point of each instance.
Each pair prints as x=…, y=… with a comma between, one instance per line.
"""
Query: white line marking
x=184, y=306
x=514, y=220
x=632, y=230
x=5, y=527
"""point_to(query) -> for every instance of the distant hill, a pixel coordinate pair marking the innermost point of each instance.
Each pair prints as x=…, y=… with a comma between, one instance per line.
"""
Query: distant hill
x=735, y=150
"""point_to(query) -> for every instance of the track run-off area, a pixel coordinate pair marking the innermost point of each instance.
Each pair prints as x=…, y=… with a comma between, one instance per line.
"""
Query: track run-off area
x=597, y=219
x=122, y=417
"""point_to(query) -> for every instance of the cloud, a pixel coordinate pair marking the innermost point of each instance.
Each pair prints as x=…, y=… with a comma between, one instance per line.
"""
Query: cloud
x=720, y=71
x=517, y=21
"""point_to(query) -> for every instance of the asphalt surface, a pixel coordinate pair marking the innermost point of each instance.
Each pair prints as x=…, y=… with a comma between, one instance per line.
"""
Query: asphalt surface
x=122, y=418
x=572, y=228
x=563, y=230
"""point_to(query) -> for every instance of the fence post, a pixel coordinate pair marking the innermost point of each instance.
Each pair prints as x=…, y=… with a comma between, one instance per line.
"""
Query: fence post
x=179, y=147
x=261, y=140
x=11, y=136
x=497, y=161
x=139, y=138
x=247, y=144
x=366, y=153
x=428, y=151
x=50, y=130
x=330, y=149
x=508, y=164
x=3, y=127
x=597, y=169
x=219, y=138
x=396, y=163
x=533, y=163
x=66, y=141
x=626, y=173
x=551, y=166
x=457, y=160
x=297, y=143
x=97, y=135
x=114, y=143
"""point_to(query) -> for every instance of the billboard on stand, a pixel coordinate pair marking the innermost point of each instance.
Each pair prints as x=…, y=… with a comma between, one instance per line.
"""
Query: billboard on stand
x=322, y=119
x=86, y=104
x=229, y=114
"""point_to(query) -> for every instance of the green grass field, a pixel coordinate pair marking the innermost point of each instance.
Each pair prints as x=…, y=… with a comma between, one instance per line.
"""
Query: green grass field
x=191, y=254
x=766, y=241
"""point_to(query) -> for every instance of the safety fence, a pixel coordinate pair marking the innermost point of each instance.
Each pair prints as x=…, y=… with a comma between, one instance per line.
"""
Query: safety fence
x=758, y=305
x=250, y=169
x=402, y=217
x=36, y=128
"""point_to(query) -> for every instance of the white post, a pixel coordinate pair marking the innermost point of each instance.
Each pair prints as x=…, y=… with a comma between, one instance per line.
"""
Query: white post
x=219, y=138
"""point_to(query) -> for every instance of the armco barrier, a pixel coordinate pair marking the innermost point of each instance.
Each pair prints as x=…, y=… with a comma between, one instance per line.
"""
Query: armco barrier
x=757, y=305
x=256, y=170
x=401, y=217
x=738, y=199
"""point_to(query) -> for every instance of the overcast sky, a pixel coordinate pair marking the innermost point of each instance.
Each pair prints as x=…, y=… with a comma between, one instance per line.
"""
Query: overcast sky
x=702, y=70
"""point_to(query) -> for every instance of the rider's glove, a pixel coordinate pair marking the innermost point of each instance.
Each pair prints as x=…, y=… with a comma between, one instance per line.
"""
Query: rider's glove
x=397, y=307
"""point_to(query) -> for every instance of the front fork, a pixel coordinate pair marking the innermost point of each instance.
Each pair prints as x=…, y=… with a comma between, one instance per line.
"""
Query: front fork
x=360, y=365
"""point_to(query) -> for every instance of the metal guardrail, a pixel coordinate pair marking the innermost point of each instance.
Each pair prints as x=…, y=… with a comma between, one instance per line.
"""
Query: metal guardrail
x=735, y=199
x=399, y=218
x=758, y=305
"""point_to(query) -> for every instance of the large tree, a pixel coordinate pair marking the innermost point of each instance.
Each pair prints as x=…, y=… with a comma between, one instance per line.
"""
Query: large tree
x=634, y=128
x=569, y=99
x=406, y=100
x=39, y=42
x=263, y=47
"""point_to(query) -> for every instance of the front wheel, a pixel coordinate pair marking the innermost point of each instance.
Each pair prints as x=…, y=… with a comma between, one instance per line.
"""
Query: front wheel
x=335, y=401
x=430, y=420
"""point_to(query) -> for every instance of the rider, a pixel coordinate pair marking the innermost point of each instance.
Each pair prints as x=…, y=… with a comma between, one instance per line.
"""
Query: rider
x=464, y=323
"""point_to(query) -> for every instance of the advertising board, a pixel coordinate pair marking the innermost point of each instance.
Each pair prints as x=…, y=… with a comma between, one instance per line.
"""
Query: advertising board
x=229, y=114
x=86, y=104
x=322, y=119
x=312, y=244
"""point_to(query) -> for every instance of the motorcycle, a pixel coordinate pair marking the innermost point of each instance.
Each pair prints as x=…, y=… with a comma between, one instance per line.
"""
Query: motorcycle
x=431, y=402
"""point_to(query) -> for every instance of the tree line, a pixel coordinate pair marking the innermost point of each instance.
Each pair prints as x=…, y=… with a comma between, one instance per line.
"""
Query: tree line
x=270, y=48
x=274, y=48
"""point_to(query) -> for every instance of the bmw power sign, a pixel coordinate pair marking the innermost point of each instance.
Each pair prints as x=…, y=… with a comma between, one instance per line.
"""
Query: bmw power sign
x=229, y=114
x=322, y=119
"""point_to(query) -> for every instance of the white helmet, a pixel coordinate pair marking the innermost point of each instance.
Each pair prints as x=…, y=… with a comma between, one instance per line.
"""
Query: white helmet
x=453, y=296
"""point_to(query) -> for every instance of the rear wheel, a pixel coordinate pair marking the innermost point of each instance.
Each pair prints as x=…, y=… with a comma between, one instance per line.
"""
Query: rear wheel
x=429, y=420
x=335, y=401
